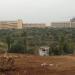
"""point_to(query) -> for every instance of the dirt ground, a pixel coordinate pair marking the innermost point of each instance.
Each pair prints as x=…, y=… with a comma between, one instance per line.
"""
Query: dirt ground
x=38, y=65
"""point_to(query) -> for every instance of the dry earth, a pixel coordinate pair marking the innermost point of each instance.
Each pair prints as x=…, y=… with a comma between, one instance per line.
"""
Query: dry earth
x=37, y=65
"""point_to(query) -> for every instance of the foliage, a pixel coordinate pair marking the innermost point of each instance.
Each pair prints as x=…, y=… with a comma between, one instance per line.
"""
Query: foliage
x=60, y=40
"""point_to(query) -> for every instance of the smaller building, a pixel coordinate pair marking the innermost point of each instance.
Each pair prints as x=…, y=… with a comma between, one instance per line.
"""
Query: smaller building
x=44, y=51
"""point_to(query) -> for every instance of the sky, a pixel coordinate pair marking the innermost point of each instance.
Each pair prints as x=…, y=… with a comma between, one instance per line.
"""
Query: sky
x=37, y=10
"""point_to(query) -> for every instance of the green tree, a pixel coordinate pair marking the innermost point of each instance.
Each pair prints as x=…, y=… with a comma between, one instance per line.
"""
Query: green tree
x=25, y=41
x=17, y=47
x=8, y=41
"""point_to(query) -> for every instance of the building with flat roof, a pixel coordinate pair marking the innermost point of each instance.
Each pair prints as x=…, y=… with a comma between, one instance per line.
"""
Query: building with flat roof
x=65, y=24
x=19, y=25
x=34, y=25
x=11, y=24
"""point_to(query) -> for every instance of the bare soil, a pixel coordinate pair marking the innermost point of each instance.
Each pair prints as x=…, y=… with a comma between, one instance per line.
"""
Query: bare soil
x=38, y=65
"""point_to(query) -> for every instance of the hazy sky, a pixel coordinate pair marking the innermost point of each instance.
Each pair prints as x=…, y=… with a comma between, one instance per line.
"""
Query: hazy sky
x=37, y=10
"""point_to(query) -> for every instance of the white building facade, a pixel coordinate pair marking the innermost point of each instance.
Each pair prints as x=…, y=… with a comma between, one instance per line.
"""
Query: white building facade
x=44, y=51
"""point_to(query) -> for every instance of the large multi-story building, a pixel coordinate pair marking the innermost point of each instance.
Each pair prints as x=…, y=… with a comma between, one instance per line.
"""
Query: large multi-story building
x=61, y=24
x=65, y=24
x=34, y=25
x=11, y=24
x=19, y=25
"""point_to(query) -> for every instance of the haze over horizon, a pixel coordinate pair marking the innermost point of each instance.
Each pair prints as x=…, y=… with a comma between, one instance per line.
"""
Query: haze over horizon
x=37, y=10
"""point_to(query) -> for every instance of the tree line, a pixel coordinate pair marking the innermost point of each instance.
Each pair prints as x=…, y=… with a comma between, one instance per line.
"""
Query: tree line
x=61, y=41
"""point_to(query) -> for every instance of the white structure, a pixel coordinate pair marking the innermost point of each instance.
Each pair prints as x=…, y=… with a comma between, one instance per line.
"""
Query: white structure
x=44, y=51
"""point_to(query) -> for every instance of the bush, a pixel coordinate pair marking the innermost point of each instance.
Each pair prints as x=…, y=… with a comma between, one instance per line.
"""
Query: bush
x=17, y=48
